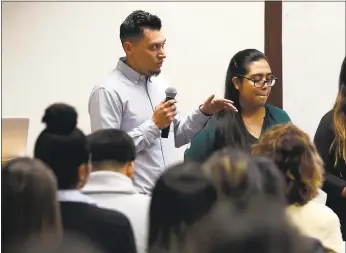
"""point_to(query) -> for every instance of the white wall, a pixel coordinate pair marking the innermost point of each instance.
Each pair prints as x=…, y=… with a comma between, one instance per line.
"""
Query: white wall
x=57, y=51
x=313, y=50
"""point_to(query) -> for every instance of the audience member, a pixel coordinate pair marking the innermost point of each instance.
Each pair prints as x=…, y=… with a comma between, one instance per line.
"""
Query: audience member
x=71, y=243
x=64, y=148
x=29, y=204
x=235, y=175
x=182, y=196
x=297, y=159
x=113, y=154
x=330, y=141
x=273, y=182
x=261, y=228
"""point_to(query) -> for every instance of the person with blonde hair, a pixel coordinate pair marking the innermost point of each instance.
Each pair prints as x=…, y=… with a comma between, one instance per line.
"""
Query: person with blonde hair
x=330, y=141
x=235, y=176
x=250, y=212
x=298, y=160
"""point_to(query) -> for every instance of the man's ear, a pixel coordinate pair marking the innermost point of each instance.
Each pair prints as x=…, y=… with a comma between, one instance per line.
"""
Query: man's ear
x=129, y=169
x=83, y=175
x=127, y=46
x=236, y=82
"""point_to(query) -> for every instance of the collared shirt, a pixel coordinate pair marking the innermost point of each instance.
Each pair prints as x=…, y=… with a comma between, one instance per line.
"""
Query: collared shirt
x=74, y=196
x=113, y=190
x=126, y=100
x=108, y=182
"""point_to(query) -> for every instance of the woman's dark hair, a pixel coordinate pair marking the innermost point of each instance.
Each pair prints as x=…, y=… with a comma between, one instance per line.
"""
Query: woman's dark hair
x=339, y=118
x=61, y=145
x=235, y=176
x=29, y=203
x=273, y=182
x=297, y=159
x=229, y=126
x=181, y=196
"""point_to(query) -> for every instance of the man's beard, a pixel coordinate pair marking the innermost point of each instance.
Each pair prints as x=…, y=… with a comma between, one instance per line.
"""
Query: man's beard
x=154, y=73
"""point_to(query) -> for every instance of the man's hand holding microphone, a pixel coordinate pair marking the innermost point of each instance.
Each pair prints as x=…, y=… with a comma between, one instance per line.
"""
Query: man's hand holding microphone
x=165, y=112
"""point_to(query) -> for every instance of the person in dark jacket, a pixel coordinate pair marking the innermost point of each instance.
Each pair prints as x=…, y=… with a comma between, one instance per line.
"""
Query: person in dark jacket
x=63, y=147
x=330, y=141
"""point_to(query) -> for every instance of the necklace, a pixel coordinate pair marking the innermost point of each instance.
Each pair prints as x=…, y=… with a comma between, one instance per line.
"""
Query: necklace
x=253, y=132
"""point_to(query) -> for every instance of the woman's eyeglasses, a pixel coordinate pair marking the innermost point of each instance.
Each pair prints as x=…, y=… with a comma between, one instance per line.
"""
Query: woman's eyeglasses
x=260, y=83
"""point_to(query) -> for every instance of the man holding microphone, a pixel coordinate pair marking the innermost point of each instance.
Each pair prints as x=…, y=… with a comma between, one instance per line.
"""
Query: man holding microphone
x=131, y=98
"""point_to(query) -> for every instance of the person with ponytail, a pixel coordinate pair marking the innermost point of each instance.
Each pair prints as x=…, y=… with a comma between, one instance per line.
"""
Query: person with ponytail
x=330, y=141
x=248, y=84
x=63, y=147
x=299, y=162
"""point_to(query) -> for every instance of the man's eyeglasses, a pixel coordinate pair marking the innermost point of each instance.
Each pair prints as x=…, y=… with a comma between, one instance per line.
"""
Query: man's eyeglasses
x=259, y=83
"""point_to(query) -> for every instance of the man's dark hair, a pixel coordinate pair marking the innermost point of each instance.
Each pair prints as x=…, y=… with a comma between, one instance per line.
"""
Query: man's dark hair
x=111, y=145
x=133, y=26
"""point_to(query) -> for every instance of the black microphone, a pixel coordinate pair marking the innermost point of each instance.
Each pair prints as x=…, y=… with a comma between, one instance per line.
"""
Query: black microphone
x=170, y=94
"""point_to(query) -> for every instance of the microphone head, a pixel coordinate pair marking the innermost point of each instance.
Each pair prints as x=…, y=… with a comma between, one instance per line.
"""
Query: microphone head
x=171, y=92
